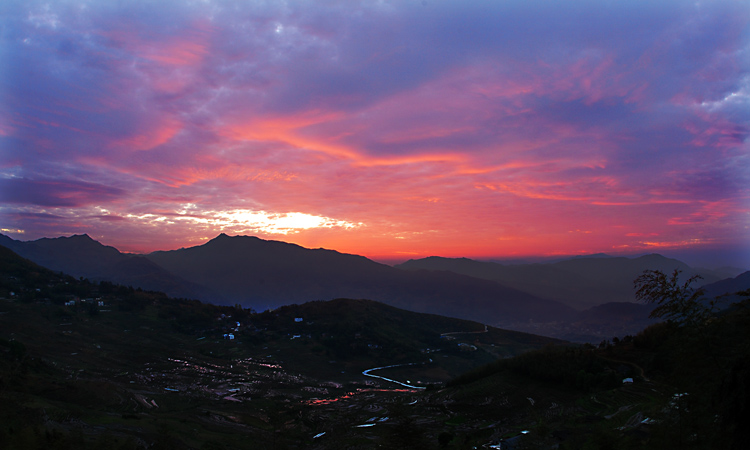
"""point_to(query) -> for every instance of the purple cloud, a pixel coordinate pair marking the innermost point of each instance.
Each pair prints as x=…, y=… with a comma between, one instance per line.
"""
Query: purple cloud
x=55, y=192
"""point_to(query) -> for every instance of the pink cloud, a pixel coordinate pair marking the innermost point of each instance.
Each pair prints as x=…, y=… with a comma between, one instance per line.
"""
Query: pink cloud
x=158, y=133
x=504, y=130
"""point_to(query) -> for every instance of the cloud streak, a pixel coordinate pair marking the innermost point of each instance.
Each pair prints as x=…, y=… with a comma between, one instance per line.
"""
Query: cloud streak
x=404, y=128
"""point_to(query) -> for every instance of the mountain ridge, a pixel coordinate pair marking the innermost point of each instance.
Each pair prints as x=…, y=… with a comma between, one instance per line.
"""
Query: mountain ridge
x=83, y=256
x=256, y=271
x=578, y=282
x=265, y=274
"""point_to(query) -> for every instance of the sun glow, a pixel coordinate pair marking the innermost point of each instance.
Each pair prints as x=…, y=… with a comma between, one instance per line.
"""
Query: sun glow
x=245, y=220
x=274, y=223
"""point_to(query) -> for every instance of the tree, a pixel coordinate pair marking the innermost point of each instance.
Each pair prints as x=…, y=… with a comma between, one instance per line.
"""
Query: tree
x=677, y=302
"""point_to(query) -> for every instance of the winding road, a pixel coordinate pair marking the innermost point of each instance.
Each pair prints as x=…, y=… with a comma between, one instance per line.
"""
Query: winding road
x=368, y=373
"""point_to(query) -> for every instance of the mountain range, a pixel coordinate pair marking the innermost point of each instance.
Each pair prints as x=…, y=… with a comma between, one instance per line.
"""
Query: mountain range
x=577, y=282
x=261, y=274
x=81, y=256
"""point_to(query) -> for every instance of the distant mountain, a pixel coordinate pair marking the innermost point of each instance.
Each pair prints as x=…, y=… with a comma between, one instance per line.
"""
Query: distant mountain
x=579, y=282
x=727, y=287
x=82, y=256
x=266, y=274
x=593, y=255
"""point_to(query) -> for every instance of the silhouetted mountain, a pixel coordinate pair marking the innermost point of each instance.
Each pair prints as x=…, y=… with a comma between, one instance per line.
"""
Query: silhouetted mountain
x=728, y=287
x=267, y=274
x=263, y=274
x=13, y=265
x=77, y=255
x=141, y=272
x=81, y=256
x=592, y=256
x=579, y=282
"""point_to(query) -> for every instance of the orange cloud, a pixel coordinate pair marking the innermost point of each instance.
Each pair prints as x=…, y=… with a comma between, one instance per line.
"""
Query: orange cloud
x=674, y=244
x=294, y=131
x=162, y=133
x=586, y=190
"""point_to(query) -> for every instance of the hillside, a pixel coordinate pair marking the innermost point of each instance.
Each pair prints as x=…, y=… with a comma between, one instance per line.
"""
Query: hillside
x=686, y=389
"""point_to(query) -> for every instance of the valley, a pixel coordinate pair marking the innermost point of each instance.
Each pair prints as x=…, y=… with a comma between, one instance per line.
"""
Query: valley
x=151, y=387
x=94, y=364
x=142, y=369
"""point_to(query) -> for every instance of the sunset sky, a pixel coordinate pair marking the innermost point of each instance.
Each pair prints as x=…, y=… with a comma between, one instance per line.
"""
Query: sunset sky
x=390, y=129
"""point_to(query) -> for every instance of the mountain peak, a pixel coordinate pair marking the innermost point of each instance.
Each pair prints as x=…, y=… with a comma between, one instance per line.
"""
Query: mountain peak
x=223, y=237
x=73, y=240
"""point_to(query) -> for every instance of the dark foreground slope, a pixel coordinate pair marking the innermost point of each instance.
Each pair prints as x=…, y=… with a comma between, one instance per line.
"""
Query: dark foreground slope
x=688, y=389
x=263, y=274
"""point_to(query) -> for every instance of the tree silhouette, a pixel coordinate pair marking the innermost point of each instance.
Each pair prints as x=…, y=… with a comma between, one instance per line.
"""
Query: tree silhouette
x=677, y=302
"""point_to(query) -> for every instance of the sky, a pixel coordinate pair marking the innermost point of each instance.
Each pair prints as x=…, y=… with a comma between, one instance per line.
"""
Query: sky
x=389, y=129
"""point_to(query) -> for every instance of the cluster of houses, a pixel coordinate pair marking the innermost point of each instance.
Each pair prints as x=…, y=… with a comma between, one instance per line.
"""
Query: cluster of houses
x=231, y=330
x=75, y=301
x=230, y=336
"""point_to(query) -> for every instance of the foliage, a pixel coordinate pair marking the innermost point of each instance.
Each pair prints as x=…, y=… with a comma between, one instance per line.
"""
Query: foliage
x=677, y=302
x=704, y=354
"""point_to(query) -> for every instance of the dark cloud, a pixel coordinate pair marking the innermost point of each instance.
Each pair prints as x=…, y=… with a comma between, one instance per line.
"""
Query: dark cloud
x=57, y=193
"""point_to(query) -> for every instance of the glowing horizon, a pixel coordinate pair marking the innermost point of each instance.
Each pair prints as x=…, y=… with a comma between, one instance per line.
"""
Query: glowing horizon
x=387, y=130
